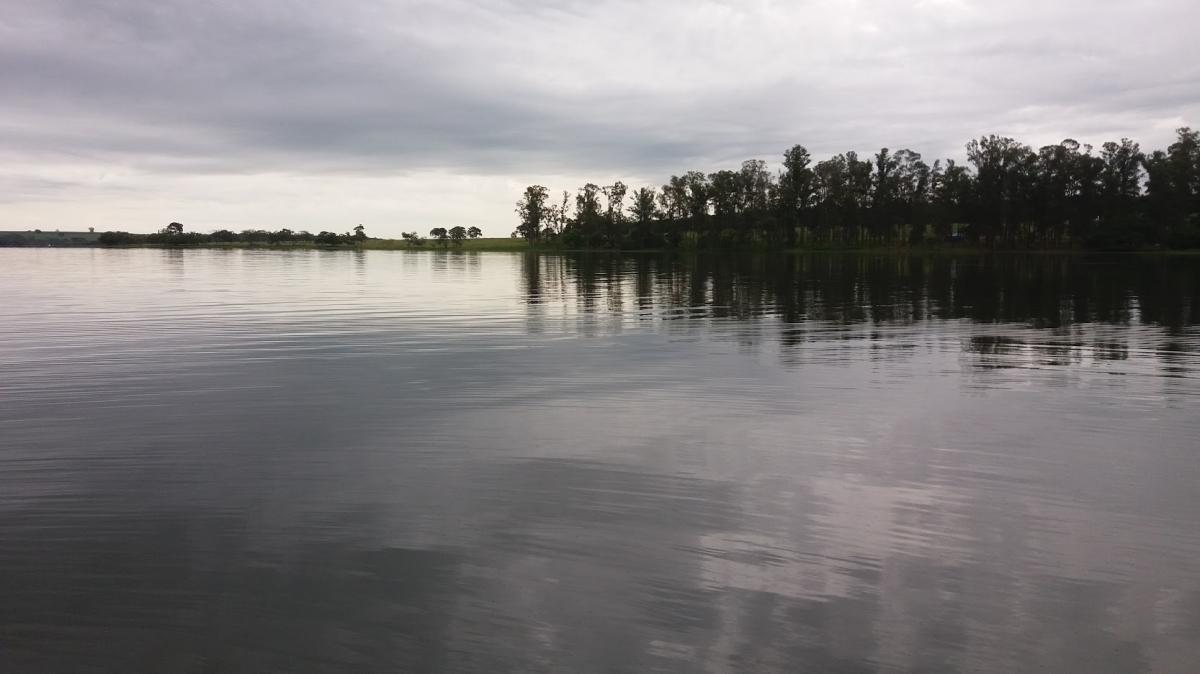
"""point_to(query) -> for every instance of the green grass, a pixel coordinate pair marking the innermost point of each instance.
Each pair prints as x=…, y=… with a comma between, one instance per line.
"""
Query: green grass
x=506, y=244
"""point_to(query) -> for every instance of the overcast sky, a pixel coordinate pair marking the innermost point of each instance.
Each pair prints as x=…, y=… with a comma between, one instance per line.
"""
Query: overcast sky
x=322, y=114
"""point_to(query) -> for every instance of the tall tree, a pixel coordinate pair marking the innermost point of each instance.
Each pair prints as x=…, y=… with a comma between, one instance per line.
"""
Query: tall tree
x=532, y=211
x=796, y=188
x=999, y=163
x=883, y=195
x=1120, y=187
x=1173, y=189
x=614, y=215
x=911, y=195
x=643, y=211
x=858, y=193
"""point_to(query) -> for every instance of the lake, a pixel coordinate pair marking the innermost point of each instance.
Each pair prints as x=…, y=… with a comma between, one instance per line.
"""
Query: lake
x=328, y=461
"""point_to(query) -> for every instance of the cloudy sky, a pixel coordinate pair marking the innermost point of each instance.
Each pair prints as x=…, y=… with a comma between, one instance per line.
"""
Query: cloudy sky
x=399, y=114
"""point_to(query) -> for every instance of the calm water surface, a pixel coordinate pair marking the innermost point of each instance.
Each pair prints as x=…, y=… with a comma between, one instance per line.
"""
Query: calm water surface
x=255, y=461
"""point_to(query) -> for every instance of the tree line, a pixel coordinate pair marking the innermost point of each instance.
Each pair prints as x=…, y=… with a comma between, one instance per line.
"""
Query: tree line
x=173, y=235
x=1006, y=195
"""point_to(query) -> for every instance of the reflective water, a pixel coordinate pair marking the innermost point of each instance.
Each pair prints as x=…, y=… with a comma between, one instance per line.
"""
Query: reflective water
x=261, y=461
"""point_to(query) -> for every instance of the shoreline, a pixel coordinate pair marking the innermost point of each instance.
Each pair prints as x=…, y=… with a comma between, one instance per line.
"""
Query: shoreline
x=515, y=245
x=519, y=246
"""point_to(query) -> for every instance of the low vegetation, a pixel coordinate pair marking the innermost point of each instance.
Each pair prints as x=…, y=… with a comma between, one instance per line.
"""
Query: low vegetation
x=174, y=235
x=439, y=237
x=56, y=238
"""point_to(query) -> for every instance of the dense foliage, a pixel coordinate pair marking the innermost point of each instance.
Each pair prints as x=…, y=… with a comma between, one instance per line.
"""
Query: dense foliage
x=1008, y=195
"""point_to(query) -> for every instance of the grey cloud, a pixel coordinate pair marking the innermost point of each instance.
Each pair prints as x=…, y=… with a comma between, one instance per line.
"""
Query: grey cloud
x=612, y=87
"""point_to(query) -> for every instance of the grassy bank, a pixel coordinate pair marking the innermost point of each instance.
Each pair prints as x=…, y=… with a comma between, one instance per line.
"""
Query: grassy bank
x=506, y=244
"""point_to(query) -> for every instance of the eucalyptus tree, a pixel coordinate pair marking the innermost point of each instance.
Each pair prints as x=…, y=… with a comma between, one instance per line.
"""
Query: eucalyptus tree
x=697, y=196
x=723, y=189
x=999, y=162
x=953, y=198
x=674, y=198
x=532, y=211
x=796, y=192
x=1086, y=194
x=755, y=187
x=1054, y=189
x=614, y=214
x=858, y=193
x=1121, y=177
x=913, y=182
x=1173, y=189
x=883, y=194
x=1120, y=185
x=673, y=202
x=689, y=194
x=643, y=211
x=562, y=213
x=588, y=224
x=831, y=186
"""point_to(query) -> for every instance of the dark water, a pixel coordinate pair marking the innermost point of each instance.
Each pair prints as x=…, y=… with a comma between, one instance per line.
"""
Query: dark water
x=332, y=461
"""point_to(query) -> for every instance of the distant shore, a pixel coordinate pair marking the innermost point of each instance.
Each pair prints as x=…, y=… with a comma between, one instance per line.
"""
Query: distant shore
x=64, y=239
x=67, y=239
